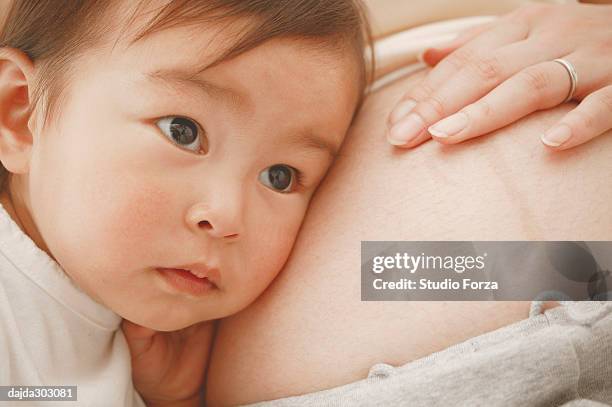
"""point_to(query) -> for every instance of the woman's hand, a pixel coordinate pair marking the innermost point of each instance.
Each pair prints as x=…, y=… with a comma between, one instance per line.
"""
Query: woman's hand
x=168, y=368
x=493, y=75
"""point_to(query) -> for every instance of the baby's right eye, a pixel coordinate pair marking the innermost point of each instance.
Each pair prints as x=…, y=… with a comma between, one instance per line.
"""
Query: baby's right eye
x=184, y=132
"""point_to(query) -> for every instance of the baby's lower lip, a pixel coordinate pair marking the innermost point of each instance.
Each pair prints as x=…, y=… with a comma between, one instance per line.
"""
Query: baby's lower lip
x=186, y=282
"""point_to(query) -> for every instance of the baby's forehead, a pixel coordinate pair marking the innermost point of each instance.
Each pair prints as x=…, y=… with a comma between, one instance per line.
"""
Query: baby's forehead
x=192, y=46
x=280, y=82
x=190, y=50
x=220, y=27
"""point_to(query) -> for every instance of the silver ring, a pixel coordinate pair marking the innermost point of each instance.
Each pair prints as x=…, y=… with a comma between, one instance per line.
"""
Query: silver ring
x=573, y=77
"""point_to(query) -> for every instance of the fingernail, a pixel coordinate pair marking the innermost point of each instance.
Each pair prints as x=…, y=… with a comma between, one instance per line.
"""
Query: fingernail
x=406, y=129
x=450, y=126
x=400, y=111
x=557, y=135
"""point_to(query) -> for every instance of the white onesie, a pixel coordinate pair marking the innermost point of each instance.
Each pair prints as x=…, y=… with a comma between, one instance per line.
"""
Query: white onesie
x=53, y=334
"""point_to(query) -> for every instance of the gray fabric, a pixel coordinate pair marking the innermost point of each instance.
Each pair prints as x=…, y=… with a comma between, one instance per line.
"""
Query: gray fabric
x=561, y=357
x=584, y=403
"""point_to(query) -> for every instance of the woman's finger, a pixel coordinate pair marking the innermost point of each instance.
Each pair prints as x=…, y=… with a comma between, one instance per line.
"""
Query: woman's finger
x=467, y=86
x=503, y=34
x=431, y=56
x=591, y=118
x=536, y=87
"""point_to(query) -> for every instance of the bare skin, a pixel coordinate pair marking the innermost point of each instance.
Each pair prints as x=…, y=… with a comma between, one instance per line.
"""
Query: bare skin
x=309, y=331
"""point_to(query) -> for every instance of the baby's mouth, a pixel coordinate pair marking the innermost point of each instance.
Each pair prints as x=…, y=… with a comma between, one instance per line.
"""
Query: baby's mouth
x=195, y=281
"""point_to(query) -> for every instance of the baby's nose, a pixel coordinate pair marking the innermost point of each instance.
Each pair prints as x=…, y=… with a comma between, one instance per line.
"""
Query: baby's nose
x=223, y=222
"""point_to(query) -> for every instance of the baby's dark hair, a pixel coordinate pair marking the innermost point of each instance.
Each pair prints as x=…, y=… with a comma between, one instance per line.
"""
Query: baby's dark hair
x=54, y=33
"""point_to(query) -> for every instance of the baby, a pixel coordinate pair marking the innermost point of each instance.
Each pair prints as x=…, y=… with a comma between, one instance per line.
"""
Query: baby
x=159, y=157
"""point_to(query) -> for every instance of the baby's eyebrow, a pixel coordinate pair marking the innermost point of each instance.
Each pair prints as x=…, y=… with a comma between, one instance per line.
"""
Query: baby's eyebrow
x=174, y=76
x=313, y=142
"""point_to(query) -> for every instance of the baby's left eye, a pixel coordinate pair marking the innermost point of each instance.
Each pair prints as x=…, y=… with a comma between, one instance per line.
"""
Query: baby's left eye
x=185, y=133
x=280, y=177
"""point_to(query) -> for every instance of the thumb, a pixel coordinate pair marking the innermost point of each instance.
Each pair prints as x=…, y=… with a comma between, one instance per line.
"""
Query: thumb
x=139, y=338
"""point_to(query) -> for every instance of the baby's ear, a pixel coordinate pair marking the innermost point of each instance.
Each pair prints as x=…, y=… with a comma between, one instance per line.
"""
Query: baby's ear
x=16, y=76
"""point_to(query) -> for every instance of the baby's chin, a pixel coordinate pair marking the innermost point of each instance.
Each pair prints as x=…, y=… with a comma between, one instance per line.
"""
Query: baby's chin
x=165, y=324
x=170, y=326
x=162, y=317
x=175, y=319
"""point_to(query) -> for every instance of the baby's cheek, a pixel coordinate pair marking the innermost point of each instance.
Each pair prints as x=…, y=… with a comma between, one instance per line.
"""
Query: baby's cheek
x=130, y=222
x=139, y=220
x=270, y=252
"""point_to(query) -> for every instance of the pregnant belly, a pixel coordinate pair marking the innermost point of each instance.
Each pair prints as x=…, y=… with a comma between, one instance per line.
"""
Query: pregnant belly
x=311, y=331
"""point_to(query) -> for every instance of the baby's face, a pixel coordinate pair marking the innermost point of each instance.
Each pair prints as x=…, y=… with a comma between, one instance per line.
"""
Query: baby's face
x=146, y=169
